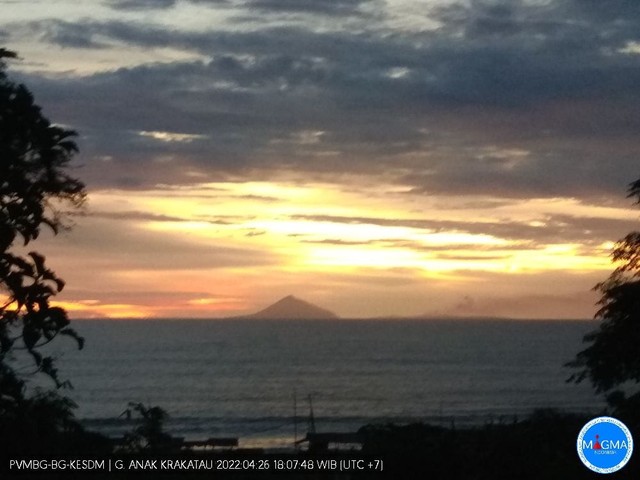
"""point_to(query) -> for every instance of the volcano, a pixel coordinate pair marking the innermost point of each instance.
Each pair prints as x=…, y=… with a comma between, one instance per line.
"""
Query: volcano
x=292, y=308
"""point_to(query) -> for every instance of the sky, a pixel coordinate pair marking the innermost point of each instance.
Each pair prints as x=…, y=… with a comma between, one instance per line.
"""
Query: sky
x=377, y=158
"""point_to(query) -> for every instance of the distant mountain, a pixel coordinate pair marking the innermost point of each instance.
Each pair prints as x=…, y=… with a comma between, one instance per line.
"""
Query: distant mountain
x=292, y=308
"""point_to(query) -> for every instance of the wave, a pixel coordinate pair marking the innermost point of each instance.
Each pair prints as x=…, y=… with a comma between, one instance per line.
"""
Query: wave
x=190, y=427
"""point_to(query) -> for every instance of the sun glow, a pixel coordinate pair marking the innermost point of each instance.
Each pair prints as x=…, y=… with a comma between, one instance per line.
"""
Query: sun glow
x=223, y=246
x=95, y=309
x=314, y=225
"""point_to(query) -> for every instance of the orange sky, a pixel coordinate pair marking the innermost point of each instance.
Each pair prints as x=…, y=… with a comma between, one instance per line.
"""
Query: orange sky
x=375, y=158
x=360, y=249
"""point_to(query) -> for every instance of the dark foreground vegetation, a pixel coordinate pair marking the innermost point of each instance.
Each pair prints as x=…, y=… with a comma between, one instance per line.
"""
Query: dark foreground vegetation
x=541, y=447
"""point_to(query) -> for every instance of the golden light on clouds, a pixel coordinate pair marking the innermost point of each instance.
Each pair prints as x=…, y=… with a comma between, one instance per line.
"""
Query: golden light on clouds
x=96, y=309
x=283, y=218
x=224, y=174
x=228, y=248
x=172, y=136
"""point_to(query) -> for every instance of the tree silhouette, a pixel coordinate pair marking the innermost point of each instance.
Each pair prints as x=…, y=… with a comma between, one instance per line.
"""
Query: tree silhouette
x=612, y=360
x=148, y=435
x=34, y=191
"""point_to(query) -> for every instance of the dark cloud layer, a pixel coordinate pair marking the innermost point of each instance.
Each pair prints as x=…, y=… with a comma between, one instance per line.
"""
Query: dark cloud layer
x=327, y=7
x=141, y=4
x=507, y=98
x=156, y=4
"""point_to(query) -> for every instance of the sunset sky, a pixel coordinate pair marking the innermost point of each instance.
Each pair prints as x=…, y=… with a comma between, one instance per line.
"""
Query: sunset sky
x=375, y=157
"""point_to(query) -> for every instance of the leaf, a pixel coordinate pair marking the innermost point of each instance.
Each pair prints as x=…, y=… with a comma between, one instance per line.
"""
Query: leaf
x=30, y=336
x=37, y=357
x=38, y=261
x=35, y=188
x=69, y=332
x=58, y=317
x=5, y=344
x=21, y=263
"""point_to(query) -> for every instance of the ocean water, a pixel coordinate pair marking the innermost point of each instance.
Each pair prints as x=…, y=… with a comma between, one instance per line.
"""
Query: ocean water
x=248, y=378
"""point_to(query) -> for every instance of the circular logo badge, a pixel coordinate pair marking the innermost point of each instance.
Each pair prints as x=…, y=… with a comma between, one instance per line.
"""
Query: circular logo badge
x=605, y=445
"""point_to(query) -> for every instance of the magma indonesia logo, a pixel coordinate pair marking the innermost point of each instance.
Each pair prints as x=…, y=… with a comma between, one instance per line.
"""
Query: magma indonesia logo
x=605, y=445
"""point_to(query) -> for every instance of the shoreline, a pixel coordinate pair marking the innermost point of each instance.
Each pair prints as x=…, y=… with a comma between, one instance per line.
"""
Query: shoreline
x=282, y=438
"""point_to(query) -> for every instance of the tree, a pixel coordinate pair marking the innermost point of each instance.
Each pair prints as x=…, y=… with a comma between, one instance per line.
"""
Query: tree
x=612, y=360
x=34, y=191
x=148, y=435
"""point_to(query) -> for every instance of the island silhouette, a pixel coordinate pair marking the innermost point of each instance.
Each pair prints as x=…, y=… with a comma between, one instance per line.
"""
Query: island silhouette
x=293, y=308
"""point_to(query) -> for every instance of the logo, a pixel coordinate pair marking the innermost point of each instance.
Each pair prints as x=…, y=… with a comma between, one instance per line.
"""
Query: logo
x=605, y=445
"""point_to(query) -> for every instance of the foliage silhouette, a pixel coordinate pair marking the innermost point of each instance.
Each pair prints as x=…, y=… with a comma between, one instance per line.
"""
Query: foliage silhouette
x=148, y=435
x=34, y=191
x=612, y=360
x=540, y=447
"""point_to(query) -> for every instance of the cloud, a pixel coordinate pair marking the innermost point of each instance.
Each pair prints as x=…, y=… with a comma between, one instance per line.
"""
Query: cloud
x=549, y=229
x=325, y=7
x=132, y=5
x=105, y=245
x=445, y=110
x=141, y=4
x=622, y=12
x=440, y=104
x=66, y=34
x=172, y=136
x=136, y=216
x=528, y=306
x=334, y=241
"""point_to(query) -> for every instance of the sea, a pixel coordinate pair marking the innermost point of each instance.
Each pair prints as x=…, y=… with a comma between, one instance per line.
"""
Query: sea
x=268, y=382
